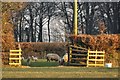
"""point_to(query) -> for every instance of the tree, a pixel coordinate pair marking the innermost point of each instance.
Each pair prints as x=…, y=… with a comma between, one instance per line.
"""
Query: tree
x=36, y=16
x=119, y=17
x=7, y=28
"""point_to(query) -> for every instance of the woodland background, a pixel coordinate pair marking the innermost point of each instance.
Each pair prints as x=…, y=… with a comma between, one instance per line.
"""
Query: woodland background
x=27, y=22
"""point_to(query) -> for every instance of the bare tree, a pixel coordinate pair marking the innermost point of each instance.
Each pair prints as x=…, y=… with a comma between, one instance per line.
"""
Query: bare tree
x=31, y=20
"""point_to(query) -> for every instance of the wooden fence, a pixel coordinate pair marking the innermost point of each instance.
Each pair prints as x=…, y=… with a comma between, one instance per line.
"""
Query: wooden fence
x=77, y=56
x=83, y=57
x=15, y=57
x=95, y=58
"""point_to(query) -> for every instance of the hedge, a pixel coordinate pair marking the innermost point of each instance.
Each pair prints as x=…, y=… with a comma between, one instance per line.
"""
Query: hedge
x=110, y=43
x=40, y=49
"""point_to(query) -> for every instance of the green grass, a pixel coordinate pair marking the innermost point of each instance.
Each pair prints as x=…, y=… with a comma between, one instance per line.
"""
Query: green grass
x=59, y=72
x=40, y=63
x=44, y=69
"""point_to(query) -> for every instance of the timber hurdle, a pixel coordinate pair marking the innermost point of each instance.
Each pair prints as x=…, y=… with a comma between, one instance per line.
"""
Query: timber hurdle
x=84, y=57
x=15, y=57
x=95, y=58
x=77, y=56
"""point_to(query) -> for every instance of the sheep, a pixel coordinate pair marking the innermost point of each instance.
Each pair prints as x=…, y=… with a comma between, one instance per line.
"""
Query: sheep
x=61, y=62
x=28, y=60
x=52, y=57
x=34, y=58
x=22, y=58
x=64, y=59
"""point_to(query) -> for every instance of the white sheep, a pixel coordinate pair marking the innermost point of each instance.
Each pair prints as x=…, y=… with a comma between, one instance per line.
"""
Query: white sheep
x=22, y=58
x=34, y=58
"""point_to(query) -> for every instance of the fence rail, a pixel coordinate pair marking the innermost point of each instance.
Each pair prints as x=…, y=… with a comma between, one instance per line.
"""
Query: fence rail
x=95, y=58
x=15, y=57
x=79, y=55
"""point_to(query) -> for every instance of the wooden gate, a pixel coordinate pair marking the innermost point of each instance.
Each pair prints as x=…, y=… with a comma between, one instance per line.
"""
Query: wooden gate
x=95, y=58
x=15, y=57
x=83, y=57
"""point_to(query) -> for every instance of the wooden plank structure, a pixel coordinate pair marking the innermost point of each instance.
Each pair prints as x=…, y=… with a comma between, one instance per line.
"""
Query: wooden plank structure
x=78, y=56
x=95, y=58
x=15, y=57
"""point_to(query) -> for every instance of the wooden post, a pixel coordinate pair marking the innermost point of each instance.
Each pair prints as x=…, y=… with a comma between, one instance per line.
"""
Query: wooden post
x=70, y=54
x=103, y=57
x=95, y=58
x=88, y=58
x=19, y=54
x=75, y=18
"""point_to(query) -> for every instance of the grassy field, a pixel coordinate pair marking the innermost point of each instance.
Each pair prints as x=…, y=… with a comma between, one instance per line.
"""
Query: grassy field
x=41, y=63
x=43, y=69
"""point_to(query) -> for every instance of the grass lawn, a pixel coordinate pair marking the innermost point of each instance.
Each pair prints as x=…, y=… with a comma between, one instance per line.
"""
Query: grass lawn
x=43, y=69
x=41, y=63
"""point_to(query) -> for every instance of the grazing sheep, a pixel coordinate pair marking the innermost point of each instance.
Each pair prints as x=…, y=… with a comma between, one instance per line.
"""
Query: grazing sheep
x=53, y=57
x=61, y=62
x=22, y=58
x=34, y=58
x=28, y=61
x=65, y=57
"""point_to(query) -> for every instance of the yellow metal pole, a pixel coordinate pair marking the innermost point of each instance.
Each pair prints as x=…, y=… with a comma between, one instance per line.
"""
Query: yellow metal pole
x=75, y=18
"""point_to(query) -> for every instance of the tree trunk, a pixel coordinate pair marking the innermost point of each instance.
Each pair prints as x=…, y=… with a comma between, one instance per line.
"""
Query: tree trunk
x=115, y=16
x=15, y=34
x=119, y=17
x=49, y=23
x=109, y=20
x=49, y=28
x=31, y=24
x=35, y=31
x=40, y=31
x=91, y=20
x=66, y=15
x=27, y=34
x=20, y=29
x=87, y=18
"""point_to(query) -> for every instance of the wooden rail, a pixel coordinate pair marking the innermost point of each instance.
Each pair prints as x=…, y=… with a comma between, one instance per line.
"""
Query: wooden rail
x=77, y=56
x=81, y=56
x=95, y=58
x=15, y=57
